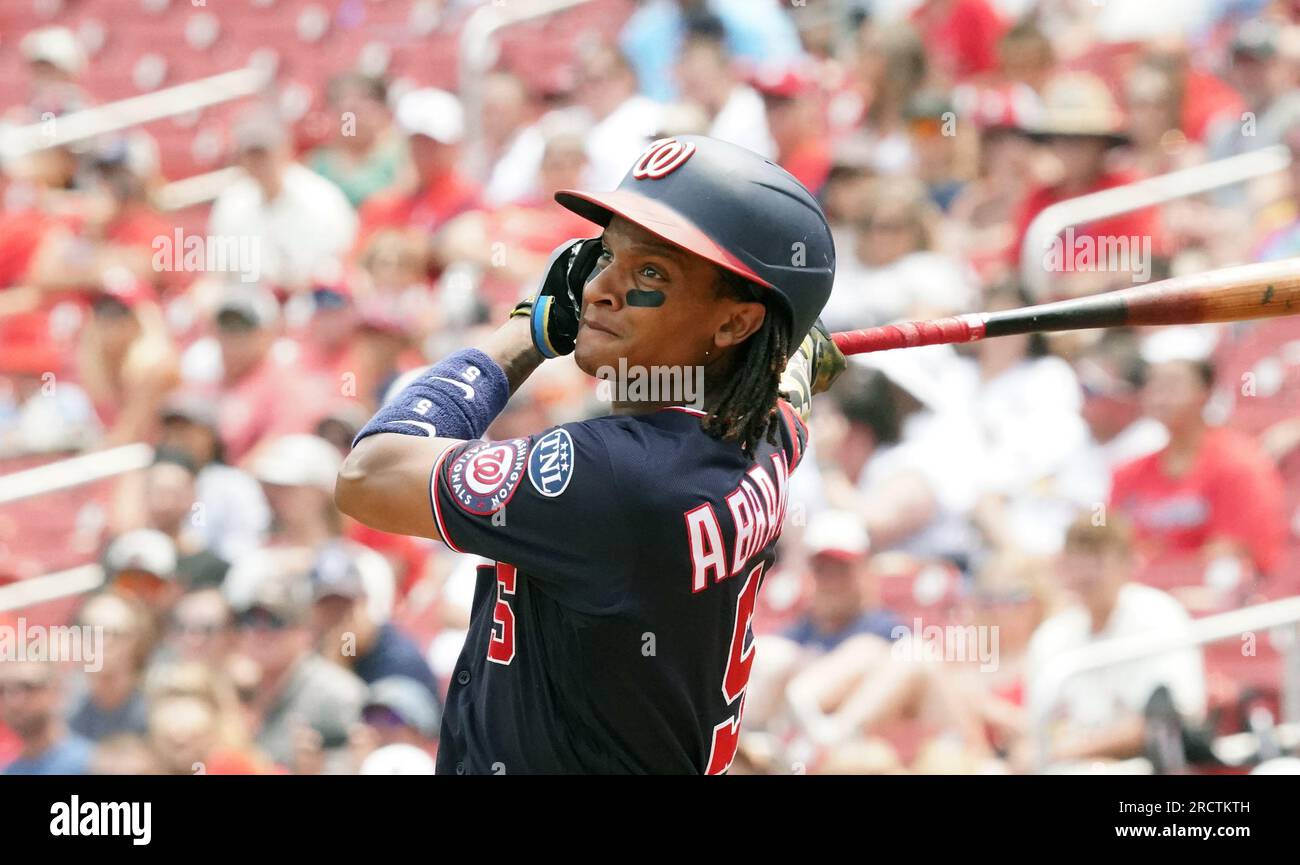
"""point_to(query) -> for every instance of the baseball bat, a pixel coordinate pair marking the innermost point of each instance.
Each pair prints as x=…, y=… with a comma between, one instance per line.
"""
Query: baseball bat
x=1238, y=293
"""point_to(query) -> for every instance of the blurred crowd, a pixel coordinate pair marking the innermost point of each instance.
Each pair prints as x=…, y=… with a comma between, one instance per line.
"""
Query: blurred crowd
x=1050, y=491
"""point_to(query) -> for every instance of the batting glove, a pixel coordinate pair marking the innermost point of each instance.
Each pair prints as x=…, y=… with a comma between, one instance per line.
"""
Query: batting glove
x=554, y=311
x=813, y=369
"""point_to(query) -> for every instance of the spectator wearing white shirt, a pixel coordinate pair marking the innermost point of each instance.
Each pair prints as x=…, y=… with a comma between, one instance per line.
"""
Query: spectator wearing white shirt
x=709, y=78
x=901, y=457
x=623, y=121
x=1027, y=406
x=297, y=221
x=1098, y=715
x=1111, y=373
x=891, y=270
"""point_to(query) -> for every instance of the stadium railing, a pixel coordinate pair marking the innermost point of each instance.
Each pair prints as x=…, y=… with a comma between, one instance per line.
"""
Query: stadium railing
x=1135, y=196
x=1282, y=617
x=477, y=54
x=124, y=113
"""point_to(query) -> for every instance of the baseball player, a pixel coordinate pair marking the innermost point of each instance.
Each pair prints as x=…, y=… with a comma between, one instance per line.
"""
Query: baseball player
x=610, y=631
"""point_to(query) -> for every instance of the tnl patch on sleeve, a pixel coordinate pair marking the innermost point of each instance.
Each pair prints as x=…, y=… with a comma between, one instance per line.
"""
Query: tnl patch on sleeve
x=485, y=476
x=550, y=465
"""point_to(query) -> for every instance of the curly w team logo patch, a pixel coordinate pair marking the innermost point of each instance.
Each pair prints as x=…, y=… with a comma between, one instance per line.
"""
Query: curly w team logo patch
x=486, y=475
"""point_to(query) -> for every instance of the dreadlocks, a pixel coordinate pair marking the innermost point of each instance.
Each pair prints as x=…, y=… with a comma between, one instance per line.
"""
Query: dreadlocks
x=745, y=411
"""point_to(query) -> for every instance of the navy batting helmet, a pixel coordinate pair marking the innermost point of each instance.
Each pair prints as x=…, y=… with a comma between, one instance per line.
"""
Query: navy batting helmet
x=732, y=207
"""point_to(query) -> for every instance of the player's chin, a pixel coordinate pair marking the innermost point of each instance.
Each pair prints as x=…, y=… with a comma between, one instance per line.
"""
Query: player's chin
x=595, y=350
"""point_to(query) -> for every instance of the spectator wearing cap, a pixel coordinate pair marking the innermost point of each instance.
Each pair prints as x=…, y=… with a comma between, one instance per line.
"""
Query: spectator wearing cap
x=710, y=80
x=259, y=395
x=55, y=61
x=297, y=475
x=795, y=119
x=325, y=342
x=1098, y=715
x=845, y=600
x=366, y=153
x=982, y=218
x=940, y=161
x=1255, y=71
x=298, y=221
x=398, y=711
x=1210, y=495
x=352, y=590
x=235, y=515
x=433, y=122
x=29, y=705
x=141, y=564
x=1081, y=123
x=172, y=507
x=303, y=705
x=113, y=229
x=110, y=700
x=126, y=361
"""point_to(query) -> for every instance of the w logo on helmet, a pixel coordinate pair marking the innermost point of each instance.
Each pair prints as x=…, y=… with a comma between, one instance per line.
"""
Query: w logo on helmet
x=662, y=158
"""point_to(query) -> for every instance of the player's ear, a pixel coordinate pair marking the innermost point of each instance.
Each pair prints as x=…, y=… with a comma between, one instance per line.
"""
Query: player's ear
x=741, y=320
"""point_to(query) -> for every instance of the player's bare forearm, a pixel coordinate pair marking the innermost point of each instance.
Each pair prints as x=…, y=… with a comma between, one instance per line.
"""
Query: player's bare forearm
x=384, y=480
x=512, y=348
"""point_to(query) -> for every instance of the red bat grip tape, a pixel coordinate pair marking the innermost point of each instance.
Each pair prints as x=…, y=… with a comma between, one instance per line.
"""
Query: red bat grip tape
x=908, y=334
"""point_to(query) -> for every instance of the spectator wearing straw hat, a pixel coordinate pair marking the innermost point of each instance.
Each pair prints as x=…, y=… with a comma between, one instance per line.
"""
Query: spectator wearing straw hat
x=1081, y=123
x=433, y=122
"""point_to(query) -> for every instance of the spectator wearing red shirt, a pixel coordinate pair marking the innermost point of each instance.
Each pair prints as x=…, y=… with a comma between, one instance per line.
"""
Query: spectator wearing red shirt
x=1211, y=493
x=961, y=36
x=1081, y=123
x=796, y=121
x=434, y=123
x=512, y=243
x=258, y=395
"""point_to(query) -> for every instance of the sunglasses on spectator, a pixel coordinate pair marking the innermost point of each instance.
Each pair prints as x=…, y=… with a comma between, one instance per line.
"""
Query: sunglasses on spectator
x=926, y=127
x=198, y=629
x=885, y=227
x=26, y=688
x=261, y=620
x=231, y=321
x=328, y=298
x=108, y=307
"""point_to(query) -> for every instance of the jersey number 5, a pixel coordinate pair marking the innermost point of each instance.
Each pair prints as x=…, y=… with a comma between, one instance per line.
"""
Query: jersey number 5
x=501, y=647
x=726, y=736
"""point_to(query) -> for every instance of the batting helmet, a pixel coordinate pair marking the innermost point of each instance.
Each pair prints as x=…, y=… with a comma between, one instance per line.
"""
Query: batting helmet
x=732, y=207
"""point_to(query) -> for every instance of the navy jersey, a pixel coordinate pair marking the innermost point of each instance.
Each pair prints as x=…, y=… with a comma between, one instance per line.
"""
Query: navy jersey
x=611, y=632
